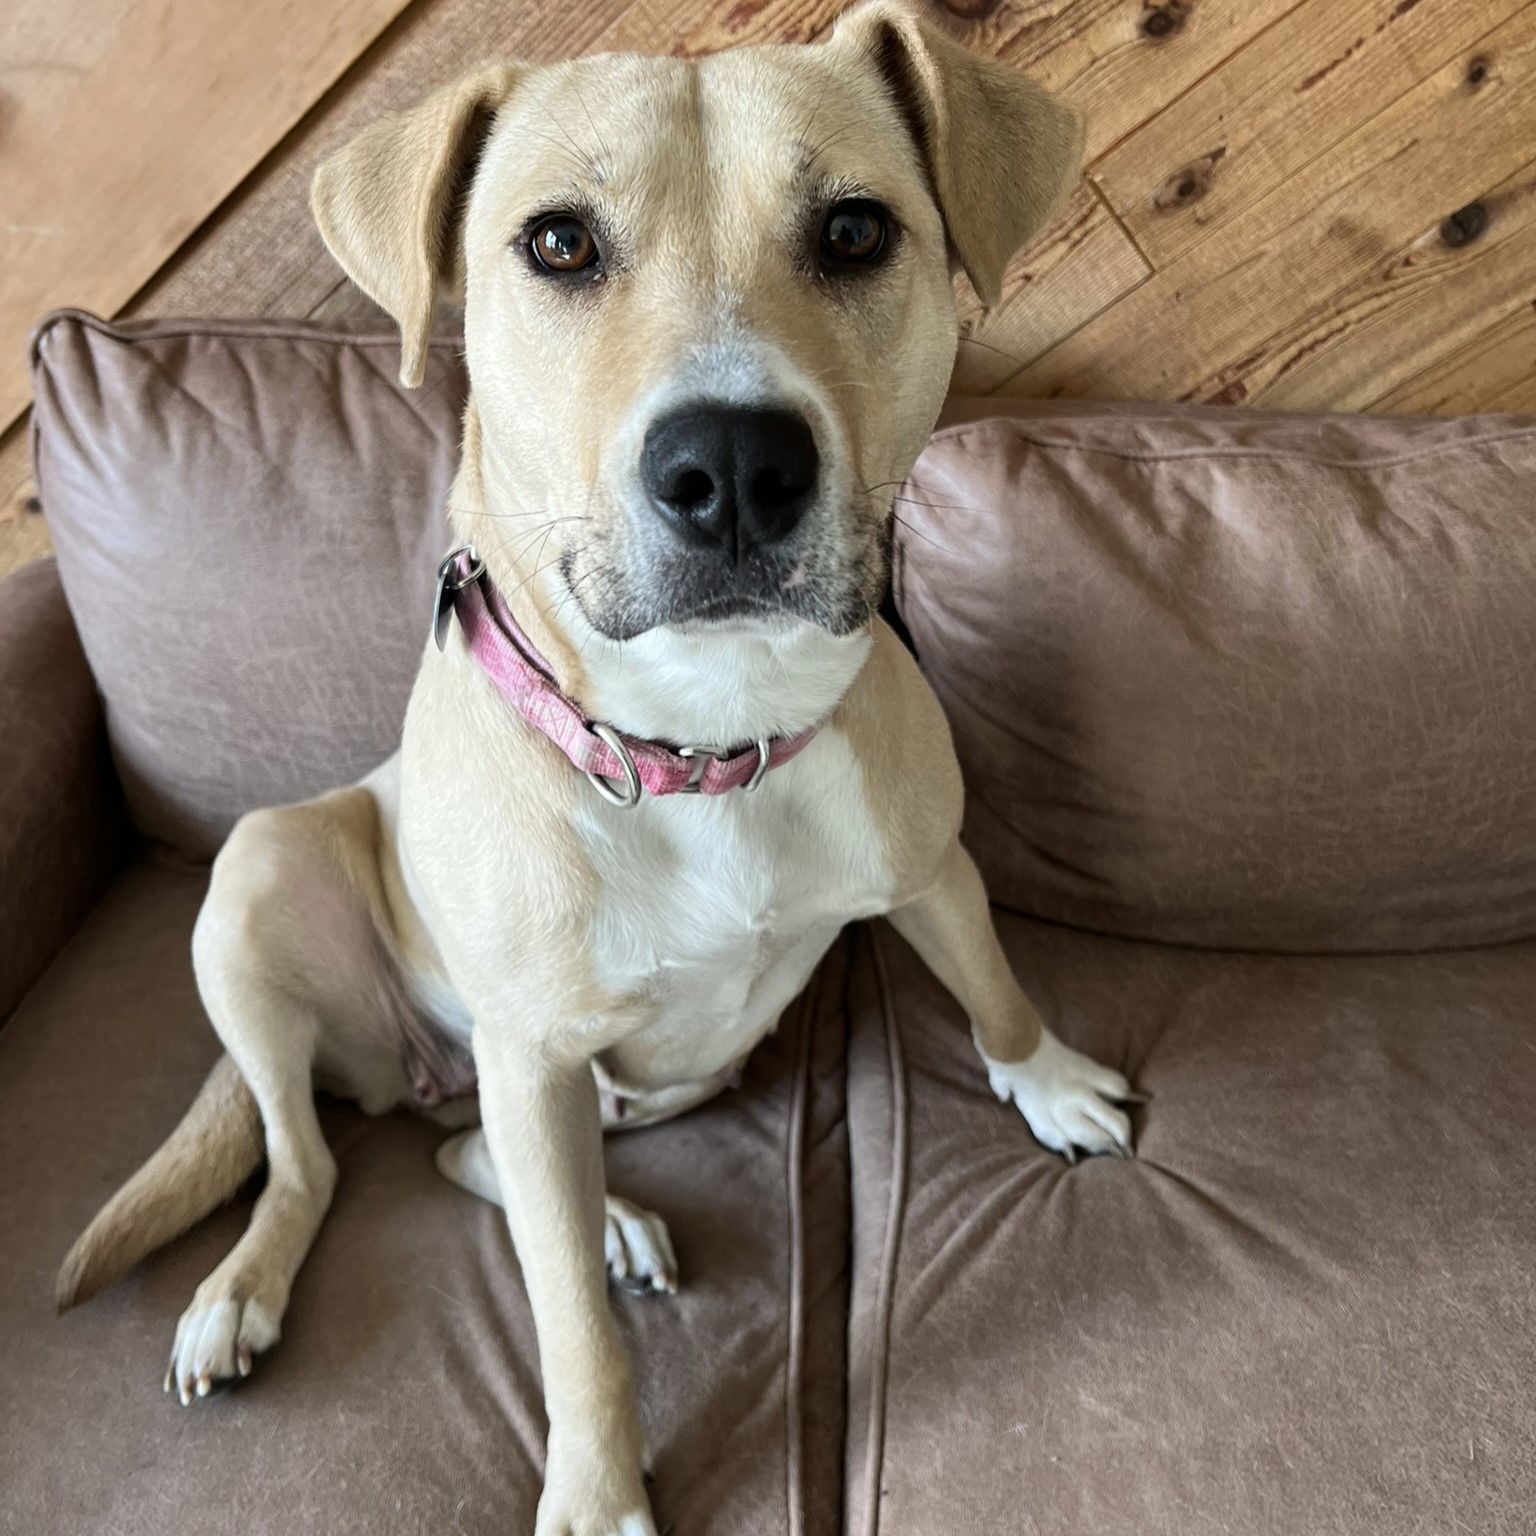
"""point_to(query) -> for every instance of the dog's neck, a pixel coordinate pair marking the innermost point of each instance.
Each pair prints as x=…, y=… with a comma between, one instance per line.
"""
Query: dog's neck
x=708, y=685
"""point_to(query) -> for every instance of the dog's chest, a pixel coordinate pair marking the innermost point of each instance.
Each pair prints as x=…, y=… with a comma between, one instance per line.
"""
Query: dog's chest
x=714, y=911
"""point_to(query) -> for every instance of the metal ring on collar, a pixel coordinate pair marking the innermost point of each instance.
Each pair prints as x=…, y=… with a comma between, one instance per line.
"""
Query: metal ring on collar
x=700, y=758
x=445, y=569
x=628, y=797
x=760, y=772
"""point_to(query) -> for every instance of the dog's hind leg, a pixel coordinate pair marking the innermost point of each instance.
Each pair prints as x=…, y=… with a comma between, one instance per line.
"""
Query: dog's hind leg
x=287, y=960
x=636, y=1242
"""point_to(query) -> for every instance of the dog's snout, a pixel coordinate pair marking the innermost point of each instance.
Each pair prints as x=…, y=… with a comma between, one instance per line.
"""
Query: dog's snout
x=729, y=477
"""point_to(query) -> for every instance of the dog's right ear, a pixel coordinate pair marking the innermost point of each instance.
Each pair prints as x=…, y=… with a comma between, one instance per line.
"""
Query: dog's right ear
x=389, y=202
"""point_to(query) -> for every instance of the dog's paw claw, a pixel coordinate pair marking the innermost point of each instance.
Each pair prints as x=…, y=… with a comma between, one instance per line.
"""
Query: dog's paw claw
x=217, y=1342
x=1069, y=1100
x=638, y=1249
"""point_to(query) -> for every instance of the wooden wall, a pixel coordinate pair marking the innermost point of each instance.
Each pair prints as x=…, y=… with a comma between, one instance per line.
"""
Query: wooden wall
x=1296, y=203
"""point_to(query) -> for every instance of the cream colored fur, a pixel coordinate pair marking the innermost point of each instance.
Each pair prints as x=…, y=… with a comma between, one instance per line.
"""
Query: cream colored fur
x=611, y=966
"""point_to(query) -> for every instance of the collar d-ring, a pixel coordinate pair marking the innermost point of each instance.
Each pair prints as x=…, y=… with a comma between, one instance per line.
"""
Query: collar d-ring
x=629, y=796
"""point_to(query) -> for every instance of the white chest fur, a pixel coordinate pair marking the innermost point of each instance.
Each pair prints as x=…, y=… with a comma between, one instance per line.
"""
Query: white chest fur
x=714, y=910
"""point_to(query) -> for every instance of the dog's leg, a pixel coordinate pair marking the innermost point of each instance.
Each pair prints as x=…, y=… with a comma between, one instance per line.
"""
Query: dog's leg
x=237, y=1311
x=544, y=1132
x=1067, y=1099
x=287, y=964
x=636, y=1242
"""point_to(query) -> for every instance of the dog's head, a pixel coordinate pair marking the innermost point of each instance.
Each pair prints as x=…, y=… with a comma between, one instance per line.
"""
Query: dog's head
x=708, y=304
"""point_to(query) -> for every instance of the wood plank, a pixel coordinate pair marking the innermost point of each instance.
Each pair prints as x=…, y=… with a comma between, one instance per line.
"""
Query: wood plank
x=1278, y=104
x=127, y=121
x=1076, y=269
x=1495, y=371
x=1399, y=317
x=23, y=533
x=1120, y=62
x=686, y=29
x=1251, y=303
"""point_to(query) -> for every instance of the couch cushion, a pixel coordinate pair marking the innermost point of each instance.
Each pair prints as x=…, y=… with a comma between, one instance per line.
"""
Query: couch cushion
x=404, y=1395
x=247, y=517
x=1229, y=677
x=1307, y=1305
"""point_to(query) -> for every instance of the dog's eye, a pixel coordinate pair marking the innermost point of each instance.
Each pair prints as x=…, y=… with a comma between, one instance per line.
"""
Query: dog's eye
x=561, y=243
x=854, y=233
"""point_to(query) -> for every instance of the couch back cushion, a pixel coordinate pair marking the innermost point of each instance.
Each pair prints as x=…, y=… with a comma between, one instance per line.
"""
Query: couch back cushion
x=1224, y=677
x=248, y=516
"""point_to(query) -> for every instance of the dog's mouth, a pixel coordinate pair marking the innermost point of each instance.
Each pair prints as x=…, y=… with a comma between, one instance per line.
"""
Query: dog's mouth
x=722, y=610
x=622, y=599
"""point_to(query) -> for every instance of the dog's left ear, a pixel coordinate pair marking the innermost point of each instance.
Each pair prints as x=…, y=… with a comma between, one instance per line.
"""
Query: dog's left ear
x=1002, y=152
x=389, y=202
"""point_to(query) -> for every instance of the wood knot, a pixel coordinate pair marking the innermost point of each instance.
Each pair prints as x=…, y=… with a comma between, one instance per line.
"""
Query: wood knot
x=31, y=504
x=1464, y=226
x=1162, y=21
x=1478, y=70
x=1190, y=184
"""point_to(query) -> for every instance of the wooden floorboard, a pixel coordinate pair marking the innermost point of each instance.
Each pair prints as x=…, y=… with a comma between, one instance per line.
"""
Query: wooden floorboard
x=126, y=122
x=1281, y=103
x=1077, y=268
x=261, y=254
x=1399, y=316
x=23, y=533
x=1276, y=292
x=1495, y=371
x=1121, y=63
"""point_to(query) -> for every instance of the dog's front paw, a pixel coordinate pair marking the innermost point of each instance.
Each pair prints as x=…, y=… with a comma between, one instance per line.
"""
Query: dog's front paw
x=588, y=1493
x=638, y=1249
x=1068, y=1099
x=217, y=1341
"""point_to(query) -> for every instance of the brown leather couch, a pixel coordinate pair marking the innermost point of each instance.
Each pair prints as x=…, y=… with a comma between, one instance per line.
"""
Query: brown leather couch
x=1247, y=706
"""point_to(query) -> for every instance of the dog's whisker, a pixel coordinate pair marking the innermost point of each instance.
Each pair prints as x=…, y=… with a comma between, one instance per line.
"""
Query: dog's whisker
x=935, y=506
x=986, y=346
x=918, y=532
x=503, y=544
x=575, y=517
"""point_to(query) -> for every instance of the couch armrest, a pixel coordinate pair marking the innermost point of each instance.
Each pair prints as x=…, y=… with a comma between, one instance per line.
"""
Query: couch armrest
x=63, y=831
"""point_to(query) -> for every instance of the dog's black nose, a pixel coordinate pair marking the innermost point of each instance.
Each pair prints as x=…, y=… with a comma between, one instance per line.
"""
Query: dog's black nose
x=732, y=478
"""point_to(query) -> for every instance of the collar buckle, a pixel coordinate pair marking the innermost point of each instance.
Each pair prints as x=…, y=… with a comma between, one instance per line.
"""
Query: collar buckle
x=701, y=757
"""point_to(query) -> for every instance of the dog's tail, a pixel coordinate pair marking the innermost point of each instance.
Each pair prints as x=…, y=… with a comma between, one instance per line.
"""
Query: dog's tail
x=204, y=1161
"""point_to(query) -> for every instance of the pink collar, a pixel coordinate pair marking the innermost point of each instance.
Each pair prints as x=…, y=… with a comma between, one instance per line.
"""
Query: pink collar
x=619, y=766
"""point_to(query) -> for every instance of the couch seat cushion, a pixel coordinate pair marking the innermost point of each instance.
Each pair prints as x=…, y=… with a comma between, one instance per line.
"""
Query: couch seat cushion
x=404, y=1395
x=1307, y=1306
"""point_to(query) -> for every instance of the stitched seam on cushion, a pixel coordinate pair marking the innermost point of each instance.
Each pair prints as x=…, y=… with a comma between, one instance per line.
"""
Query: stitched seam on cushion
x=880, y=1342
x=244, y=330
x=1283, y=456
x=794, y=1177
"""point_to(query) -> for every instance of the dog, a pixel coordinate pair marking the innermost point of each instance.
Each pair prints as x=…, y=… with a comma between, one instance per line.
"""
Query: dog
x=709, y=319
